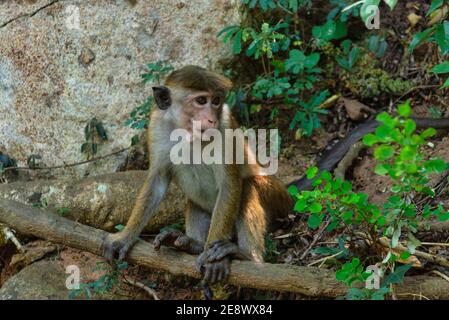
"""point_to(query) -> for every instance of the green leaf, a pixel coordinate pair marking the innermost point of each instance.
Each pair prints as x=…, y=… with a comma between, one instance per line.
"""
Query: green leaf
x=445, y=84
x=434, y=6
x=384, y=152
x=381, y=169
x=429, y=132
x=135, y=140
x=412, y=243
x=435, y=165
x=300, y=206
x=315, y=207
x=397, y=276
x=404, y=109
x=391, y=3
x=420, y=37
x=370, y=139
x=293, y=190
x=237, y=43
x=314, y=221
x=311, y=172
x=396, y=235
x=409, y=127
x=441, y=68
x=405, y=255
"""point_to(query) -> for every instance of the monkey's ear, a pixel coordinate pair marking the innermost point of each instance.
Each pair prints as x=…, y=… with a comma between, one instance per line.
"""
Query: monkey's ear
x=162, y=97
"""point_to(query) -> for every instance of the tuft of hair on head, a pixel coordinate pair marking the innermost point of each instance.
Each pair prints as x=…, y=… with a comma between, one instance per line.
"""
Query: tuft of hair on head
x=198, y=79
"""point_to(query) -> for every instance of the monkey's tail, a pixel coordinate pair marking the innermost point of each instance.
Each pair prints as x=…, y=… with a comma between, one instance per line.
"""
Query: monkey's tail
x=332, y=157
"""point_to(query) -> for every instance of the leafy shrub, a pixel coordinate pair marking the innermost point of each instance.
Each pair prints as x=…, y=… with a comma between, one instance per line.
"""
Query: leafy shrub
x=398, y=150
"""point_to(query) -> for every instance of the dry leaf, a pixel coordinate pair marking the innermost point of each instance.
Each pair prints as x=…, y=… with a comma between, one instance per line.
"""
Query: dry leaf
x=413, y=18
x=355, y=109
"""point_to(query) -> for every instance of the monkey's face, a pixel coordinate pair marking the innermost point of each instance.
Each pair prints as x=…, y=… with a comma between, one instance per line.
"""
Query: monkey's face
x=194, y=111
x=204, y=108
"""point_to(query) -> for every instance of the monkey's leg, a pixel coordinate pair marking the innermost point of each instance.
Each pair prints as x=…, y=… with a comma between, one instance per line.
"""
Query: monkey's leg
x=197, y=227
x=250, y=227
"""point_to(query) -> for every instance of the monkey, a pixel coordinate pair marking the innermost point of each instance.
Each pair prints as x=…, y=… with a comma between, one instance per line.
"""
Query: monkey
x=230, y=207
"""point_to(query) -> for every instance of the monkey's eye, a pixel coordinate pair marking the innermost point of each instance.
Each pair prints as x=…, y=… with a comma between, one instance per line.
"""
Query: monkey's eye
x=216, y=101
x=201, y=100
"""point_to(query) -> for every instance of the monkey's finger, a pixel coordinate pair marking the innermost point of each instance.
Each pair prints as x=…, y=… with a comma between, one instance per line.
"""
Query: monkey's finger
x=122, y=252
x=219, y=253
x=214, y=273
x=200, y=263
x=208, y=273
x=226, y=273
x=220, y=273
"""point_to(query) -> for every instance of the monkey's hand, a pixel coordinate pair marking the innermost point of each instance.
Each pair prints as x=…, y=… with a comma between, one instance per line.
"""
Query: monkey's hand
x=177, y=240
x=220, y=249
x=117, y=243
x=215, y=271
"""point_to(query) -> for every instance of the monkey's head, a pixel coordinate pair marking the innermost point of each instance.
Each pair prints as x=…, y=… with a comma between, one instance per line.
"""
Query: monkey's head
x=193, y=94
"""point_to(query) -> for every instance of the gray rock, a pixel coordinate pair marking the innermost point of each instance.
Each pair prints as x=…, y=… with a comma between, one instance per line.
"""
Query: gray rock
x=56, y=76
x=43, y=280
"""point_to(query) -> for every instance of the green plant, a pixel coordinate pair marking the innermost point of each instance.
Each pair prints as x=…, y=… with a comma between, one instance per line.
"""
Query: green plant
x=95, y=134
x=31, y=161
x=270, y=249
x=350, y=55
x=63, y=211
x=438, y=32
x=289, y=71
x=139, y=116
x=156, y=71
x=376, y=45
x=104, y=284
x=398, y=150
x=43, y=203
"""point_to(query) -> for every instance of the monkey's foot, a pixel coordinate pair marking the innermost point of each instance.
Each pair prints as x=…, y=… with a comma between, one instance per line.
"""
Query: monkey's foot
x=220, y=249
x=116, y=245
x=213, y=272
x=177, y=240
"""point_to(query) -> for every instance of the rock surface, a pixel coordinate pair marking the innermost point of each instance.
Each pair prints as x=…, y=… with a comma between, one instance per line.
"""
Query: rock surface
x=43, y=280
x=55, y=75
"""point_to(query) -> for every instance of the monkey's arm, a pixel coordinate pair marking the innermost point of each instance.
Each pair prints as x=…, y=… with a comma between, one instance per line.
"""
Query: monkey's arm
x=227, y=207
x=150, y=196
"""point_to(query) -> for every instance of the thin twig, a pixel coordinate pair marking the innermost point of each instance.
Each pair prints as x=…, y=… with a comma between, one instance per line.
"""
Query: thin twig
x=413, y=295
x=435, y=244
x=141, y=285
x=442, y=275
x=324, y=259
x=431, y=257
x=70, y=164
x=317, y=237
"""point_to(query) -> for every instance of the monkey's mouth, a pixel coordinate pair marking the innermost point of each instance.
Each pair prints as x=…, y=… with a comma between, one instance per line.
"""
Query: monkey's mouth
x=202, y=135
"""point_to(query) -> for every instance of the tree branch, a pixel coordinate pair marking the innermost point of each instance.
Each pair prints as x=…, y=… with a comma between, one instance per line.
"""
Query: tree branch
x=309, y=281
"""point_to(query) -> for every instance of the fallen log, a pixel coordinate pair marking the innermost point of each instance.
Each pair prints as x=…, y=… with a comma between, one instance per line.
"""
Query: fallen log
x=308, y=281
